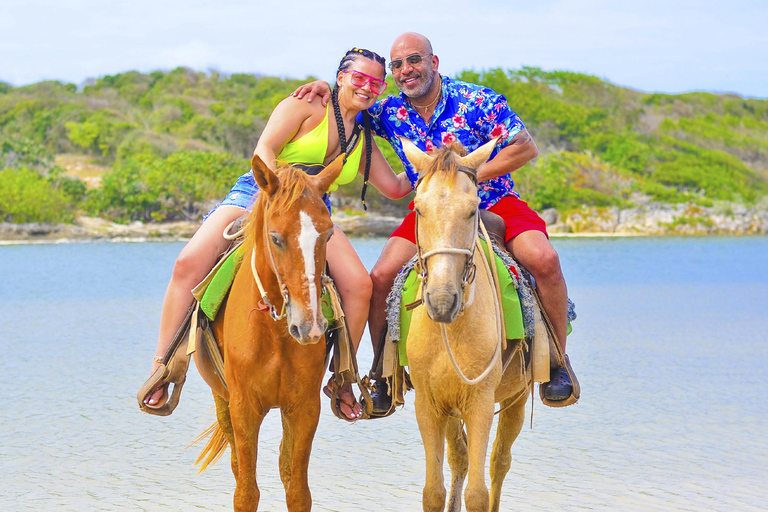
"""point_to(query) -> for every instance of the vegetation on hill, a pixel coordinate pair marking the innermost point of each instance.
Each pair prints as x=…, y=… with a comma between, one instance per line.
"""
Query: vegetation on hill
x=172, y=143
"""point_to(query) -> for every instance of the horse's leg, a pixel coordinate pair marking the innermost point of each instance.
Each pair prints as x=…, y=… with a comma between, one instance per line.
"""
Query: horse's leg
x=432, y=426
x=457, y=460
x=301, y=421
x=478, y=415
x=246, y=422
x=225, y=423
x=285, y=453
x=511, y=420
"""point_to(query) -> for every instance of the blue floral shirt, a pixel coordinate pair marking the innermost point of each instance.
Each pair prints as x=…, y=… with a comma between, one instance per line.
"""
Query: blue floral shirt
x=467, y=113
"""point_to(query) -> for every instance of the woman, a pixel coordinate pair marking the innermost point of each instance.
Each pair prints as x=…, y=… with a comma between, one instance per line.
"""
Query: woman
x=308, y=133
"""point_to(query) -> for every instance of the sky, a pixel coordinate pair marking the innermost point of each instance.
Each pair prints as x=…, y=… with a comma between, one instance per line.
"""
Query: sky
x=670, y=46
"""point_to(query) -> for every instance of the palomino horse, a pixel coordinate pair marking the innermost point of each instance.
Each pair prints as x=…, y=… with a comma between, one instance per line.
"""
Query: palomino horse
x=458, y=335
x=273, y=357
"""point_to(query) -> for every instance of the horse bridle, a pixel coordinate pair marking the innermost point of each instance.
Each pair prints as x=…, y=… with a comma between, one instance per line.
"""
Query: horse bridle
x=265, y=304
x=283, y=288
x=470, y=268
x=469, y=275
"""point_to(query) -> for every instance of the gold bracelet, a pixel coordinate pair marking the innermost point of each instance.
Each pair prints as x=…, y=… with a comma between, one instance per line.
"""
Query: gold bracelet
x=157, y=359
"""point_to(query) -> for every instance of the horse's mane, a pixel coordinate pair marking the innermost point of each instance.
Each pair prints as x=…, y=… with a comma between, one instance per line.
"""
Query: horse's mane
x=445, y=162
x=294, y=183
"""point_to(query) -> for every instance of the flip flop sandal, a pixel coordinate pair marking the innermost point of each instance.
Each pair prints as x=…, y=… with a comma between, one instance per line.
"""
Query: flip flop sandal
x=336, y=401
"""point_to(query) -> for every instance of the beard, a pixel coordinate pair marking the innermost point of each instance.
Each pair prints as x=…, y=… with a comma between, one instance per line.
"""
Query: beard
x=422, y=85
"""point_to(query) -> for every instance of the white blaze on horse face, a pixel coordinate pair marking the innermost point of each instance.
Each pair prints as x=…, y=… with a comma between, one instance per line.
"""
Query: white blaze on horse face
x=307, y=242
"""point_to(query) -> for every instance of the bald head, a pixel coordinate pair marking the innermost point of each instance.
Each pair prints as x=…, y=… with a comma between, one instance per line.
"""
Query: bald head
x=411, y=41
x=415, y=67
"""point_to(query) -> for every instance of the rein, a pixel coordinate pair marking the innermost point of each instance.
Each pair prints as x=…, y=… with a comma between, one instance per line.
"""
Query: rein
x=499, y=327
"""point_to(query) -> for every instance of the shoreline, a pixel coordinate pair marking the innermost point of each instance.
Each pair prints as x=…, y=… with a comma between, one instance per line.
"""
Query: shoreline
x=89, y=230
x=650, y=219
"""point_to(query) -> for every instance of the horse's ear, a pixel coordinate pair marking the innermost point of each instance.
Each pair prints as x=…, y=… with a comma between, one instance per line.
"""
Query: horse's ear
x=265, y=178
x=417, y=157
x=327, y=176
x=479, y=156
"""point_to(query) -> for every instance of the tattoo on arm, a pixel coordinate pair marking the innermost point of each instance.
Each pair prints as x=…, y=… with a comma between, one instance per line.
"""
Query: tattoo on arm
x=522, y=137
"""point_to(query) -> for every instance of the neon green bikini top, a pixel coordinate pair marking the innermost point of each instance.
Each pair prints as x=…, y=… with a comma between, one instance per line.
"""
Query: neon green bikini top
x=312, y=148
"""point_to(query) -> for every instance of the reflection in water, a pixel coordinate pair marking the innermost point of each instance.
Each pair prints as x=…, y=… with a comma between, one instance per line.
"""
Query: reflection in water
x=669, y=348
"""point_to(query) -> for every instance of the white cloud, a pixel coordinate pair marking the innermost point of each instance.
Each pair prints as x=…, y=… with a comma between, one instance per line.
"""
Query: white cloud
x=194, y=54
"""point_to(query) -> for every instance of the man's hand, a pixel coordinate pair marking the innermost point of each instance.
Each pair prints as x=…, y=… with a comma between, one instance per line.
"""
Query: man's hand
x=520, y=150
x=312, y=89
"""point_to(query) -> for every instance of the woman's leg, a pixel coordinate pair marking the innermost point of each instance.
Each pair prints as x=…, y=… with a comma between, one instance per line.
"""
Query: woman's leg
x=354, y=286
x=196, y=259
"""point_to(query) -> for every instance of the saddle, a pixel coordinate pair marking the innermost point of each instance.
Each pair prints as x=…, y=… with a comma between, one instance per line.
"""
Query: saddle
x=528, y=331
x=196, y=336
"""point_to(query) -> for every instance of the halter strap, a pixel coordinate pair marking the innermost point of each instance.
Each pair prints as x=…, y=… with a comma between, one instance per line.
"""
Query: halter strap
x=469, y=267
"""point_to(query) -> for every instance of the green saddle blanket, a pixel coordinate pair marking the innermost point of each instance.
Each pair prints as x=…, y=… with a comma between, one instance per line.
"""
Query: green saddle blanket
x=221, y=282
x=510, y=304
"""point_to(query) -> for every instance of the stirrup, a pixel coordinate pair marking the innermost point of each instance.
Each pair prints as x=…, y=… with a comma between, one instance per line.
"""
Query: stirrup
x=367, y=401
x=575, y=388
x=172, y=370
x=332, y=391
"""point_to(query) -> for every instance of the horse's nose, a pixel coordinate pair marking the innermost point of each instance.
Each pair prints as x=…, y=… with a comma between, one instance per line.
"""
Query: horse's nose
x=442, y=307
x=308, y=332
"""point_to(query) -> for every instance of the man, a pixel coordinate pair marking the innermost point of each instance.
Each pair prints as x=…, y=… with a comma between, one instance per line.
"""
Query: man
x=433, y=110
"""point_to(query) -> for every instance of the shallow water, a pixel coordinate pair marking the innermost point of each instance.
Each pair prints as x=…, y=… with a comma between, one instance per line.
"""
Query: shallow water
x=669, y=347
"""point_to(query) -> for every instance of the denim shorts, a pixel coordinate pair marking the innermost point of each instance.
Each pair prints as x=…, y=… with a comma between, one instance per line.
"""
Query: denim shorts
x=244, y=192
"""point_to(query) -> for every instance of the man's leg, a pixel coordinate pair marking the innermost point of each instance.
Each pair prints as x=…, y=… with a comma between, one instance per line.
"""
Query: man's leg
x=533, y=250
x=396, y=253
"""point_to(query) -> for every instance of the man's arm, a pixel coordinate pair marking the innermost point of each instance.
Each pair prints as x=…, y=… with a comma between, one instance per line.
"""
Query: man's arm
x=312, y=89
x=520, y=150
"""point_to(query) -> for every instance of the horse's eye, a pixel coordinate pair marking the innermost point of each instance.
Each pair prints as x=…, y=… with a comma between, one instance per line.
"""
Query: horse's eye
x=472, y=214
x=418, y=212
x=276, y=240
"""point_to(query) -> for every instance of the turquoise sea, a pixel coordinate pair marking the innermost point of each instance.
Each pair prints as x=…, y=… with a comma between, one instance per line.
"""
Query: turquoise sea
x=670, y=347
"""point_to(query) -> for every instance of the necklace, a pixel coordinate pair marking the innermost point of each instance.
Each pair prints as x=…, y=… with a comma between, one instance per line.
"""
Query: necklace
x=431, y=104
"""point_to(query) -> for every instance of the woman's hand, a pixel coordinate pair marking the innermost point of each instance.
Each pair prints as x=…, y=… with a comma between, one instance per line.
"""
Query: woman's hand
x=312, y=89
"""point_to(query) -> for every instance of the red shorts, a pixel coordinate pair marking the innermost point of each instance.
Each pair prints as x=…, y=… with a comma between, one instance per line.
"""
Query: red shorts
x=517, y=215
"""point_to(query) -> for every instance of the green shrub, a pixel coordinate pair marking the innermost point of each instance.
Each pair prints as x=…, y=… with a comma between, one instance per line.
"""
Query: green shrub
x=569, y=180
x=25, y=196
x=177, y=187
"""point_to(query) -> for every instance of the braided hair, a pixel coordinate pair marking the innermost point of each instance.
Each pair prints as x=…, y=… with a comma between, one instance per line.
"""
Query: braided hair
x=346, y=61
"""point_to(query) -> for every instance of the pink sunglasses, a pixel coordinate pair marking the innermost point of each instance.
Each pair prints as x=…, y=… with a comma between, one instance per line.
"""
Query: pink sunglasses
x=360, y=79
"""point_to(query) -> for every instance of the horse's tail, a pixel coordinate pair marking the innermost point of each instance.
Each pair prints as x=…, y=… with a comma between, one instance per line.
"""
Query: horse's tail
x=213, y=449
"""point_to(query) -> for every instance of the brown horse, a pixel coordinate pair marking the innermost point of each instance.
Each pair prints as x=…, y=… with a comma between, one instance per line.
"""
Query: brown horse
x=270, y=341
x=456, y=338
